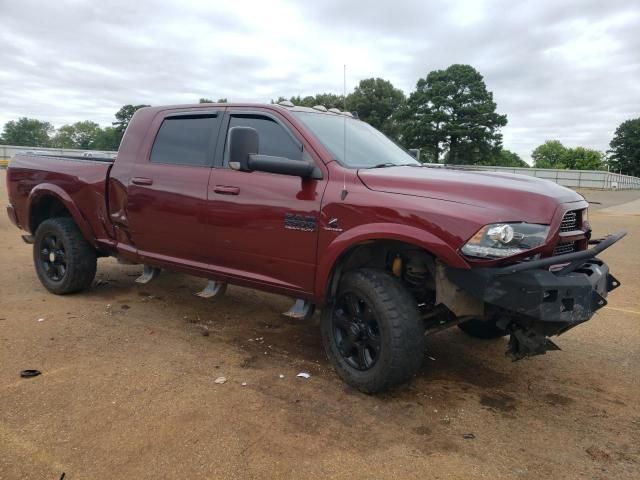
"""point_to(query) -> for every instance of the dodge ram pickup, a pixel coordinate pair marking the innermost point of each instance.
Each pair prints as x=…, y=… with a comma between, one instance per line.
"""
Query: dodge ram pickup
x=321, y=207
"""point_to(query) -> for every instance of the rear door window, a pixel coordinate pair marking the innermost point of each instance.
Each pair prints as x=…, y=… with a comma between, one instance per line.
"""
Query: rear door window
x=273, y=140
x=186, y=140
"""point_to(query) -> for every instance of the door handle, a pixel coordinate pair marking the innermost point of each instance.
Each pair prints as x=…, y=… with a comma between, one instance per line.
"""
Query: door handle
x=224, y=190
x=141, y=181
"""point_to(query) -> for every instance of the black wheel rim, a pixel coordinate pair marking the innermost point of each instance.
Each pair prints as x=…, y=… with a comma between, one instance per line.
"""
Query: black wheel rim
x=356, y=331
x=53, y=257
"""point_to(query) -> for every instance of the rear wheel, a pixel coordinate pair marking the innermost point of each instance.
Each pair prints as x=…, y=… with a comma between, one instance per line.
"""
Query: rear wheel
x=485, y=329
x=64, y=261
x=373, y=334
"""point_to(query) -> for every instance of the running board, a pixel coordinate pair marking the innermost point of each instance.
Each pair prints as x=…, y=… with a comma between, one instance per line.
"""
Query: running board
x=213, y=289
x=300, y=310
x=148, y=274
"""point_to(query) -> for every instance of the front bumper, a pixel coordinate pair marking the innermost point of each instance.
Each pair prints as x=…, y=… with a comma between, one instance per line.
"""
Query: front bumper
x=549, y=295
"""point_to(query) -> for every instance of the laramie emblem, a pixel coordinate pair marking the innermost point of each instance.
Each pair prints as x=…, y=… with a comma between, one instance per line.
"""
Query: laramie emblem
x=304, y=223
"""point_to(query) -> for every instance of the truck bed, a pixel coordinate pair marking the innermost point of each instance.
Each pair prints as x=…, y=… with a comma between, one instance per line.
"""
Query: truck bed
x=74, y=181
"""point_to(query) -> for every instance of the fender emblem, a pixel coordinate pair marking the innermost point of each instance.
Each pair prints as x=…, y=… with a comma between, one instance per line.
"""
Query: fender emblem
x=332, y=226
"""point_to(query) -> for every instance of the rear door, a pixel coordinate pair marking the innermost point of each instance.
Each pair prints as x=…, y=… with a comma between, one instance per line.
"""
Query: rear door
x=266, y=224
x=167, y=193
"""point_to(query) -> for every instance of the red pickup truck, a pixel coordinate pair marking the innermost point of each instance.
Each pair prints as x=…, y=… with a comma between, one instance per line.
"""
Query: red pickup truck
x=319, y=206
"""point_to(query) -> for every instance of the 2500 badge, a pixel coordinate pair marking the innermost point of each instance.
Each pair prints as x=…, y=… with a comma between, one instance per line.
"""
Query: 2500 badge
x=304, y=223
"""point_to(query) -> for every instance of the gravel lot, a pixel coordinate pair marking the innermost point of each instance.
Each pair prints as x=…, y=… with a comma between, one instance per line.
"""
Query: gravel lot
x=128, y=387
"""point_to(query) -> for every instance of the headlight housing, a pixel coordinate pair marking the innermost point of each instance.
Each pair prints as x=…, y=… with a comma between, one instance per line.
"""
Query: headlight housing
x=500, y=240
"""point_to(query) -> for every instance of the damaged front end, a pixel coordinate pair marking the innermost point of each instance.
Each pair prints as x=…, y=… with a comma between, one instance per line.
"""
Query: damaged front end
x=537, y=299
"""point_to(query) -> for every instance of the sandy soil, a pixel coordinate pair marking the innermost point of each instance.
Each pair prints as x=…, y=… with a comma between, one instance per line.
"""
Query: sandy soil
x=128, y=391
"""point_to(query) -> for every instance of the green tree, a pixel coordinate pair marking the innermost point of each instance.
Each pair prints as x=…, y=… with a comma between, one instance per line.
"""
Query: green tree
x=625, y=148
x=551, y=154
x=505, y=158
x=63, y=137
x=376, y=101
x=581, y=158
x=108, y=138
x=451, y=112
x=80, y=135
x=329, y=100
x=208, y=100
x=27, y=132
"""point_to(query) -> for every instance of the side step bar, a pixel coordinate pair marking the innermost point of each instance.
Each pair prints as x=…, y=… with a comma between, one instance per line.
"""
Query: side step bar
x=148, y=274
x=300, y=310
x=213, y=289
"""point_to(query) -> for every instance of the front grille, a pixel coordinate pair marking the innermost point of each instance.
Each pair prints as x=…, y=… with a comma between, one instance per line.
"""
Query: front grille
x=566, y=247
x=569, y=221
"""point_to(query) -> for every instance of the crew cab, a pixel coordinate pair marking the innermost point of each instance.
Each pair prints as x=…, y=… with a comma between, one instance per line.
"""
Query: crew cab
x=321, y=207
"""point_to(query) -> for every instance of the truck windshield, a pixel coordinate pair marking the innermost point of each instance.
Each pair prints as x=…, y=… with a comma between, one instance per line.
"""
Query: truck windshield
x=366, y=146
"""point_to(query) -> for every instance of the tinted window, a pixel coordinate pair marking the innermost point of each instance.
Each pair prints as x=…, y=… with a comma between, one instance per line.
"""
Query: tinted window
x=273, y=139
x=185, y=140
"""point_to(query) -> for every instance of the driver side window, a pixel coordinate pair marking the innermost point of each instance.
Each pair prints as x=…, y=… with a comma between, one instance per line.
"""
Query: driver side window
x=273, y=139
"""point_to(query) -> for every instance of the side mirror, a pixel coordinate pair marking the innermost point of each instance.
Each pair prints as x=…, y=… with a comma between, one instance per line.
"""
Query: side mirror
x=243, y=141
x=243, y=156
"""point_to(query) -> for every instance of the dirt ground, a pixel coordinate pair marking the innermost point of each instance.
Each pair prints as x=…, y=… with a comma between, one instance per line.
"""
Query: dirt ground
x=128, y=391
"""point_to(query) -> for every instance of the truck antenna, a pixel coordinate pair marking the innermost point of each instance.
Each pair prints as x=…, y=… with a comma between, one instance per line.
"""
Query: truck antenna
x=344, y=193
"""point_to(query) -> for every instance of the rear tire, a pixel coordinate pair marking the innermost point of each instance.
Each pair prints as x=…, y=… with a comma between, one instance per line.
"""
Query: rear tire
x=373, y=333
x=64, y=261
x=484, y=329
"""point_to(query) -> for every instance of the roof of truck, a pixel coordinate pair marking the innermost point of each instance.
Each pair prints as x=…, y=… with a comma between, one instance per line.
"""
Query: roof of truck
x=280, y=106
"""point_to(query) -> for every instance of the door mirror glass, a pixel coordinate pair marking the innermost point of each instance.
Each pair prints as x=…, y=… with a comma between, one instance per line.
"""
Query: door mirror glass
x=243, y=141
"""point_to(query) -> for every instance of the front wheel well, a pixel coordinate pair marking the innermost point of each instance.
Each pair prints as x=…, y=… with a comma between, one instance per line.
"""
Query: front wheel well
x=413, y=265
x=44, y=208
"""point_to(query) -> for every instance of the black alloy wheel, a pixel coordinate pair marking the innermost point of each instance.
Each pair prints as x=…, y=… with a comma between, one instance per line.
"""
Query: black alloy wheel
x=356, y=331
x=53, y=257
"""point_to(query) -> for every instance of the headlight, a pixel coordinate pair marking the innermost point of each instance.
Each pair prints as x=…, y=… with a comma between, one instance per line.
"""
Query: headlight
x=499, y=240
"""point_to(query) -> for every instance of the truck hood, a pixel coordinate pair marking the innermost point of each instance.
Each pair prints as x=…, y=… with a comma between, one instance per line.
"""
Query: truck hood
x=511, y=197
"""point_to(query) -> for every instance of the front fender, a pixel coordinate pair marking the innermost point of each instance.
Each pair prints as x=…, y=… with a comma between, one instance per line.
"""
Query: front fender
x=380, y=231
x=50, y=190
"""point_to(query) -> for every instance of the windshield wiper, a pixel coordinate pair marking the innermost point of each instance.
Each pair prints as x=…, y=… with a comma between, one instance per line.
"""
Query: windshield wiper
x=390, y=164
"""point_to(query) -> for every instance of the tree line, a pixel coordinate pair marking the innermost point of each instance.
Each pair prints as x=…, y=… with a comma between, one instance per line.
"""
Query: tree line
x=85, y=135
x=451, y=117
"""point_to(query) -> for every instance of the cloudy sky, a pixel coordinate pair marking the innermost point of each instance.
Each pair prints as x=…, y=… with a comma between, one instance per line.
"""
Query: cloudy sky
x=559, y=69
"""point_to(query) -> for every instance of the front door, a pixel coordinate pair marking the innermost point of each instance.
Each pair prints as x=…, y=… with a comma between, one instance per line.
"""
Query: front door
x=266, y=224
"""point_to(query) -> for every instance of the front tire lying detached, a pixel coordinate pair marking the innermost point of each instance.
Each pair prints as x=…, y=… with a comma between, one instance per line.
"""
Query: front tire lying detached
x=64, y=261
x=373, y=333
